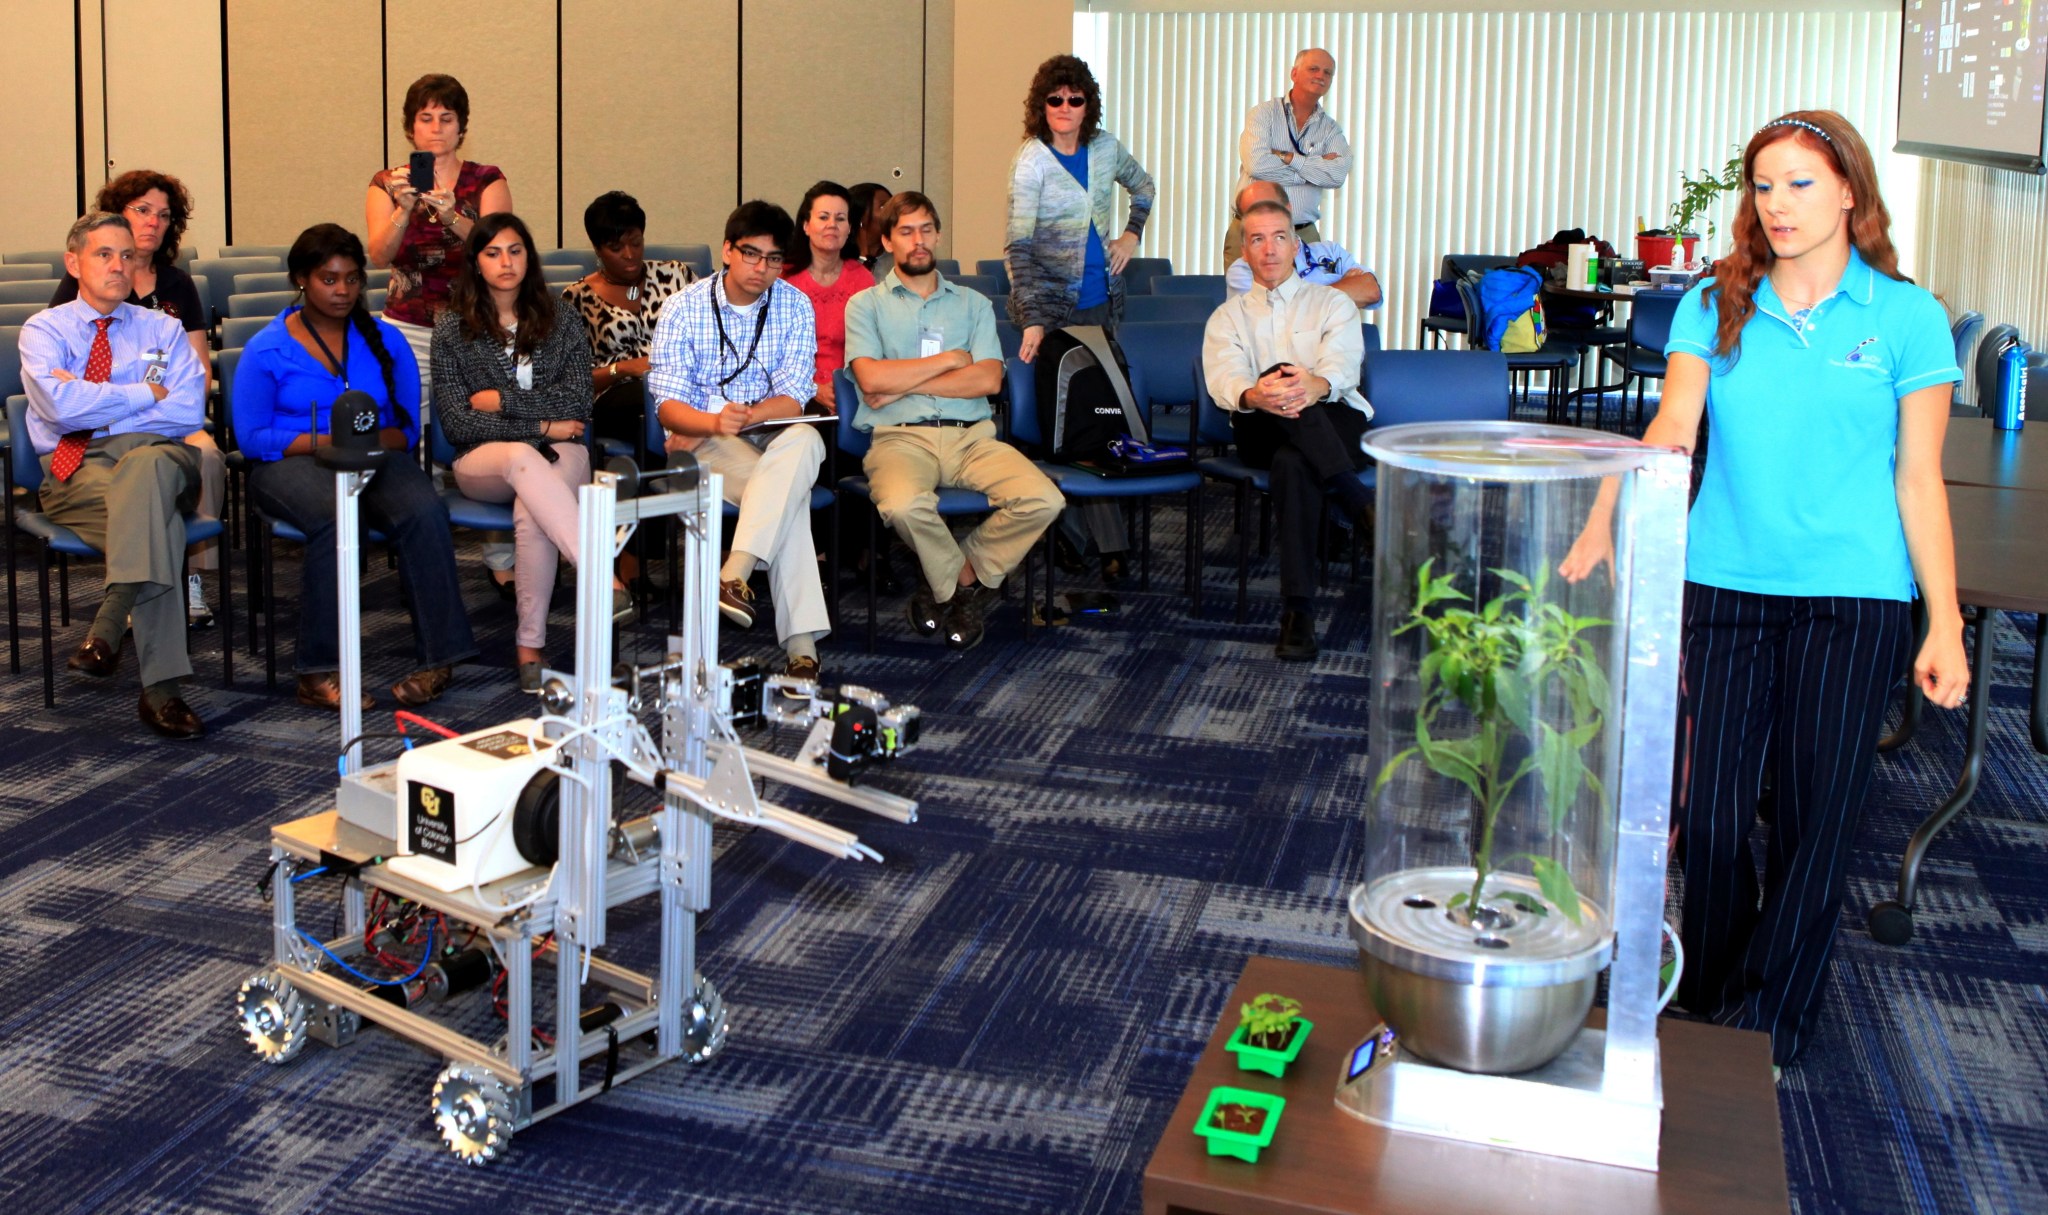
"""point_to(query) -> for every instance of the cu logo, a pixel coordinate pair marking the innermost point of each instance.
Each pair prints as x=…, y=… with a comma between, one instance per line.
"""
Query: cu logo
x=430, y=801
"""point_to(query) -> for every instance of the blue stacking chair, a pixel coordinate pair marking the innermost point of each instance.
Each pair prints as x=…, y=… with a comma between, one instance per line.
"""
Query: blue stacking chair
x=953, y=502
x=697, y=257
x=1139, y=309
x=1169, y=355
x=265, y=304
x=14, y=316
x=1964, y=333
x=28, y=291
x=1436, y=324
x=584, y=259
x=949, y=266
x=1211, y=287
x=995, y=267
x=267, y=280
x=11, y=272
x=1649, y=328
x=50, y=259
x=986, y=284
x=1020, y=390
x=218, y=274
x=25, y=471
x=1140, y=271
x=255, y=250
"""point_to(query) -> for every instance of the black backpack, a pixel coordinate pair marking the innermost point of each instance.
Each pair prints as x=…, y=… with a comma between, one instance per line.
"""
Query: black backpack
x=1086, y=411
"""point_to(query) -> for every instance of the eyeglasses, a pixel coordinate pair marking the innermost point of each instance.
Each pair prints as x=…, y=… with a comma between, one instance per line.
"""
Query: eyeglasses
x=754, y=257
x=147, y=213
x=1057, y=102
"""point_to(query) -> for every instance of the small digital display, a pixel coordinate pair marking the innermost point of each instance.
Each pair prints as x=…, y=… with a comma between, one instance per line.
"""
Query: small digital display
x=1362, y=1058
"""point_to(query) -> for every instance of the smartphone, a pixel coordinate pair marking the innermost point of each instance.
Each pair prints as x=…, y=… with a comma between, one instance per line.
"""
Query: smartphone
x=420, y=171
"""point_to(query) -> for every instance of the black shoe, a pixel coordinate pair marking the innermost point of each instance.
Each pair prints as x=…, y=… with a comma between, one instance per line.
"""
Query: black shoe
x=924, y=611
x=967, y=615
x=1297, y=637
x=1113, y=569
x=504, y=590
x=1066, y=556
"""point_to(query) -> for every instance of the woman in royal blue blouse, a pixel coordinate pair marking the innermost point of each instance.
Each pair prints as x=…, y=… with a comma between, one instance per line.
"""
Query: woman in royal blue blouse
x=1824, y=375
x=289, y=377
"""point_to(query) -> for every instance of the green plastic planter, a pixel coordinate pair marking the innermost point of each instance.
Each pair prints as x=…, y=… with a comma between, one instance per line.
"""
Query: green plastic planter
x=1236, y=1143
x=1272, y=1062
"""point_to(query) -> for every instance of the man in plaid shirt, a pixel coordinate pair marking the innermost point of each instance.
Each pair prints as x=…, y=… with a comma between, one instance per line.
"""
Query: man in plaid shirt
x=732, y=352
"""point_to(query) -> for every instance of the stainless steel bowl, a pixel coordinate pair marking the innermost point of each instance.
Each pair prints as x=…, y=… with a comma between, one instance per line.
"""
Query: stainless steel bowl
x=1504, y=998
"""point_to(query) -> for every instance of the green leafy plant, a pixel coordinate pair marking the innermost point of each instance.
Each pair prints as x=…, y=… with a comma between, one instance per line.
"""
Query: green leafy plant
x=1501, y=663
x=1696, y=194
x=1269, y=1020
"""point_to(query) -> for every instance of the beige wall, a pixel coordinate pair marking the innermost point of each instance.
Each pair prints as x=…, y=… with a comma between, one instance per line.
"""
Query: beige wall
x=38, y=145
x=997, y=45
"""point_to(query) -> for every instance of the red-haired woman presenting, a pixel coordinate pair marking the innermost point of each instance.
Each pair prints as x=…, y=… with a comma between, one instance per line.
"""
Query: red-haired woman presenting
x=1824, y=375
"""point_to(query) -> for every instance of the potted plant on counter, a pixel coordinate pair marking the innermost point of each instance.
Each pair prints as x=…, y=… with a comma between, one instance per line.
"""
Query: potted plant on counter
x=1270, y=1034
x=1238, y=1122
x=1695, y=195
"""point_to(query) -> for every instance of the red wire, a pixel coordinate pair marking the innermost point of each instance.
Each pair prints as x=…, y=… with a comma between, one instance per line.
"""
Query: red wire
x=401, y=716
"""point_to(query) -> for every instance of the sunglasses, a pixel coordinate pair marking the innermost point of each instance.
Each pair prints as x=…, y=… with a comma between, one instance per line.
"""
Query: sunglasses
x=1057, y=102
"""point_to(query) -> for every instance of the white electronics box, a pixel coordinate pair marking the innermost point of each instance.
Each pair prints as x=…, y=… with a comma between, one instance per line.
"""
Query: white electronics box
x=456, y=802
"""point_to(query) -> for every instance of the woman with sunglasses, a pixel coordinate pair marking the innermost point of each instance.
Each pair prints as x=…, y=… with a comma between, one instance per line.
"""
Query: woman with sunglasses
x=289, y=377
x=157, y=207
x=1064, y=268
x=512, y=391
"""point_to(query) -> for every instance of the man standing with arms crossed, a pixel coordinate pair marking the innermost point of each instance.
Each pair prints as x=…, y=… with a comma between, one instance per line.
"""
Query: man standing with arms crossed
x=1292, y=140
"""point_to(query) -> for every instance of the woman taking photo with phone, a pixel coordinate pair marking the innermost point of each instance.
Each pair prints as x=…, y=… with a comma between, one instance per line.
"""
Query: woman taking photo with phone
x=1824, y=377
x=512, y=387
x=288, y=379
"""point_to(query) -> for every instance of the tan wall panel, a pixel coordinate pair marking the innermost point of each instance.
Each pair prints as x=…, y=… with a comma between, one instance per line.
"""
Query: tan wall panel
x=669, y=141
x=868, y=126
x=505, y=59
x=997, y=45
x=938, y=118
x=303, y=144
x=38, y=140
x=170, y=122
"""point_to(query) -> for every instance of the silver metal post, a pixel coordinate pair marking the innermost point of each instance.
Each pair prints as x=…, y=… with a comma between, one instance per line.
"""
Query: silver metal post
x=349, y=595
x=1656, y=509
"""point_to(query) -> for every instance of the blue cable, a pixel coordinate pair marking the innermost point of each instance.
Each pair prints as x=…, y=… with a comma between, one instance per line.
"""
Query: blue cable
x=320, y=945
x=309, y=873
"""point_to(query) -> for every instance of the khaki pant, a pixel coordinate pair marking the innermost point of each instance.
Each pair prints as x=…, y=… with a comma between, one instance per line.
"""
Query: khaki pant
x=146, y=481
x=907, y=464
x=772, y=487
x=1233, y=240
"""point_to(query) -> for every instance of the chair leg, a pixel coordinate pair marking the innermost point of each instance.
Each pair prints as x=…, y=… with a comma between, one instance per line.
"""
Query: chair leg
x=49, y=648
x=1244, y=557
x=1145, y=543
x=270, y=609
x=227, y=613
x=874, y=559
x=1030, y=604
x=64, y=589
x=252, y=560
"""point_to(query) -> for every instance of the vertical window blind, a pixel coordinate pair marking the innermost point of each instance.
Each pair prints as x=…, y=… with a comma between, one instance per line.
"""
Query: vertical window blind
x=1485, y=132
x=1989, y=257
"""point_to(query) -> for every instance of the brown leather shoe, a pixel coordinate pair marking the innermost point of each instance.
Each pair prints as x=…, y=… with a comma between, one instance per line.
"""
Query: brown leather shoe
x=422, y=686
x=96, y=659
x=736, y=602
x=322, y=690
x=802, y=668
x=175, y=719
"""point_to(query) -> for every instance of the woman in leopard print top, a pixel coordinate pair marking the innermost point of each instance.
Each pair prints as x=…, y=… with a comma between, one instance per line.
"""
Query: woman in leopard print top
x=619, y=305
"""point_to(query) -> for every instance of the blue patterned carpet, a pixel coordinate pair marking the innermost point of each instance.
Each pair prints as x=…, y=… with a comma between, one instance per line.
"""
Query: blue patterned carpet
x=998, y=1018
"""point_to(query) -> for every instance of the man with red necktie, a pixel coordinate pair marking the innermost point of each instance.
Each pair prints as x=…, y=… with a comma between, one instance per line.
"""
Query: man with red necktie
x=112, y=391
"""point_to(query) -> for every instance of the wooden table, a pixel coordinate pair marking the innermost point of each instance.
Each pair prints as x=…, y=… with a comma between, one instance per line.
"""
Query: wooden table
x=1722, y=1151
x=2001, y=566
x=1978, y=453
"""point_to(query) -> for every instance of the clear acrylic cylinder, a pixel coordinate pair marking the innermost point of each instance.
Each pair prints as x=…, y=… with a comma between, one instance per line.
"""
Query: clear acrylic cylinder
x=1486, y=910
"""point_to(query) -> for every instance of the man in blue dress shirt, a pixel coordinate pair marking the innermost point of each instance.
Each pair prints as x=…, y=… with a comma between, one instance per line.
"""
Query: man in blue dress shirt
x=112, y=391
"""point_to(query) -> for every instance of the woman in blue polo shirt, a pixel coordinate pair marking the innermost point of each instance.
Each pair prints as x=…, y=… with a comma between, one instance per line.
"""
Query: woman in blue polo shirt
x=285, y=385
x=1825, y=377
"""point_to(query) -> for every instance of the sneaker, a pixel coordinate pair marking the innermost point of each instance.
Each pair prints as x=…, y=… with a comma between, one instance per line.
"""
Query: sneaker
x=196, y=611
x=736, y=602
x=802, y=668
x=924, y=611
x=966, y=615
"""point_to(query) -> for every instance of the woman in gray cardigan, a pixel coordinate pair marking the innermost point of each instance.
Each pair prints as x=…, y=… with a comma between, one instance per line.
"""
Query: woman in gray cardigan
x=512, y=393
x=1062, y=271
x=1063, y=268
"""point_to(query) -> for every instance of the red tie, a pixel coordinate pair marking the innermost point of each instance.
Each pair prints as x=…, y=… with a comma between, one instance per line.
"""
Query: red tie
x=99, y=366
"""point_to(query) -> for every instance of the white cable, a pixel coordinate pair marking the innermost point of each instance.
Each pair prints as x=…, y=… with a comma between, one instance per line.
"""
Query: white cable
x=1677, y=966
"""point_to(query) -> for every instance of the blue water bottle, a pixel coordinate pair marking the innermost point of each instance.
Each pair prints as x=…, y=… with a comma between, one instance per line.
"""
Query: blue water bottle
x=2010, y=404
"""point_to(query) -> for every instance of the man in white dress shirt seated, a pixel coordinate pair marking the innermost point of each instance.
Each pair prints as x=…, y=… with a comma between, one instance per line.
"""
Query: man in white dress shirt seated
x=1284, y=358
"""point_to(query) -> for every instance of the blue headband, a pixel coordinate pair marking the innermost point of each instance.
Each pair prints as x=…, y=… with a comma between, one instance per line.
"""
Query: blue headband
x=1800, y=123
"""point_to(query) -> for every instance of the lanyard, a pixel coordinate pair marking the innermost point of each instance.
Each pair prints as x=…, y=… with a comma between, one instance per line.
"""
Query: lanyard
x=1287, y=123
x=718, y=316
x=340, y=365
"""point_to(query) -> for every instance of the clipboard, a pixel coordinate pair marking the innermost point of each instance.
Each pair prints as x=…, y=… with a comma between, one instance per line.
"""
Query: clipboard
x=754, y=428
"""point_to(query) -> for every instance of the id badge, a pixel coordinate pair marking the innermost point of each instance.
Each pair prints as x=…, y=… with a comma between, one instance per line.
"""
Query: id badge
x=155, y=364
x=929, y=342
x=715, y=404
